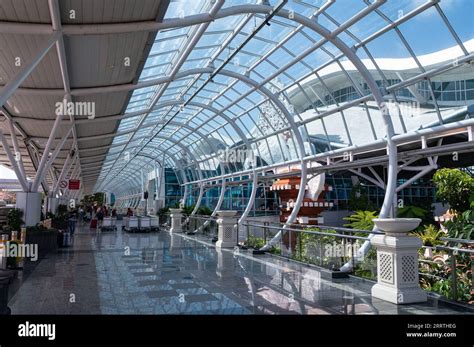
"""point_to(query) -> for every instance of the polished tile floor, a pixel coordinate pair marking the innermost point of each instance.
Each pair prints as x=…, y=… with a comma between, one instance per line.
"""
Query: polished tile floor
x=159, y=273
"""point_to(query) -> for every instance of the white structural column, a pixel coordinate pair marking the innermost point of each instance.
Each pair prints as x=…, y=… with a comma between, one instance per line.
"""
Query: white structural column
x=217, y=208
x=227, y=234
x=30, y=204
x=158, y=186
x=397, y=262
x=53, y=204
x=13, y=85
x=251, y=201
x=44, y=158
x=16, y=147
x=176, y=216
x=64, y=171
x=13, y=162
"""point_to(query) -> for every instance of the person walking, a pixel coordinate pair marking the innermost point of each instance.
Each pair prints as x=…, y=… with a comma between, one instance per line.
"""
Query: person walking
x=81, y=215
x=72, y=221
x=100, y=216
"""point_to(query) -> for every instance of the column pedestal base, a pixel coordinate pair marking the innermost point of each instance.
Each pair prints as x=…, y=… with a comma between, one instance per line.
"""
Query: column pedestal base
x=400, y=295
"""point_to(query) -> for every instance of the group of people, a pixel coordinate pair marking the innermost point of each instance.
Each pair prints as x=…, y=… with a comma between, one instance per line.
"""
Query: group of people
x=82, y=215
x=101, y=212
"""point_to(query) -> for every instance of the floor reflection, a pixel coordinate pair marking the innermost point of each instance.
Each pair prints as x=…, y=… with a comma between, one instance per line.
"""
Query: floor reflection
x=159, y=273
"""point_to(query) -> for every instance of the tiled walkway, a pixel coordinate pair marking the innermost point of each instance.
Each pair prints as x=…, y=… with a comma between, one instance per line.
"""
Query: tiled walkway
x=159, y=273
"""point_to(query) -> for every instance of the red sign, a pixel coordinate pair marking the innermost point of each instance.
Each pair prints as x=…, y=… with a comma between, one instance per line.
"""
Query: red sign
x=74, y=184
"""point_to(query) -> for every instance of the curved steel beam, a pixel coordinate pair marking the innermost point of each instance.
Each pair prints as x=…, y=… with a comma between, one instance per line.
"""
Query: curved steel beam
x=197, y=19
x=192, y=129
x=183, y=147
x=236, y=129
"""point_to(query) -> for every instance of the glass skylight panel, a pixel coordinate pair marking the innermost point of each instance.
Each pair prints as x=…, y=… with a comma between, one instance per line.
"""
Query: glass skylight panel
x=370, y=24
x=203, y=52
x=424, y=27
x=224, y=24
x=349, y=40
x=259, y=46
x=195, y=64
x=179, y=8
x=390, y=46
x=121, y=138
x=138, y=103
x=279, y=28
x=341, y=12
x=226, y=93
x=163, y=55
x=304, y=8
x=230, y=3
x=280, y=58
x=204, y=99
x=155, y=71
x=265, y=69
x=296, y=71
x=459, y=13
x=396, y=9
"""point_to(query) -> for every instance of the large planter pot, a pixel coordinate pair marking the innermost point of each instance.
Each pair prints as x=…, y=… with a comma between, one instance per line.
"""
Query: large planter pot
x=396, y=226
x=45, y=239
x=226, y=213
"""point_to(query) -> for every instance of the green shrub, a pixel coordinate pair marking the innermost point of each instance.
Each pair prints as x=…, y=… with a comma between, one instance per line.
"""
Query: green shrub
x=359, y=200
x=430, y=235
x=255, y=242
x=413, y=211
x=202, y=210
x=361, y=220
x=462, y=225
x=14, y=220
x=162, y=211
x=367, y=268
x=454, y=187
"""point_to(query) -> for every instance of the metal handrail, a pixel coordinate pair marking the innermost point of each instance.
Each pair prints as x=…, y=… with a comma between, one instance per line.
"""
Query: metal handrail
x=195, y=217
x=463, y=241
x=453, y=251
x=327, y=227
x=322, y=233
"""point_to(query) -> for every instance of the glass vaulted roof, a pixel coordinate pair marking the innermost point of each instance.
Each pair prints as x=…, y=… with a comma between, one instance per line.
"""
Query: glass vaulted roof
x=236, y=82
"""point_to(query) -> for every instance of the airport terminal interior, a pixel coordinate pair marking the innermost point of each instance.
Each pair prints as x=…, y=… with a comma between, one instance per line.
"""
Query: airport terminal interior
x=237, y=157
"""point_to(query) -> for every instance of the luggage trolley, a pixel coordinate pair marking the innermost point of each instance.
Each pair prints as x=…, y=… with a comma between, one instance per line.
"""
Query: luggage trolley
x=145, y=224
x=109, y=224
x=131, y=224
x=125, y=222
x=154, y=223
